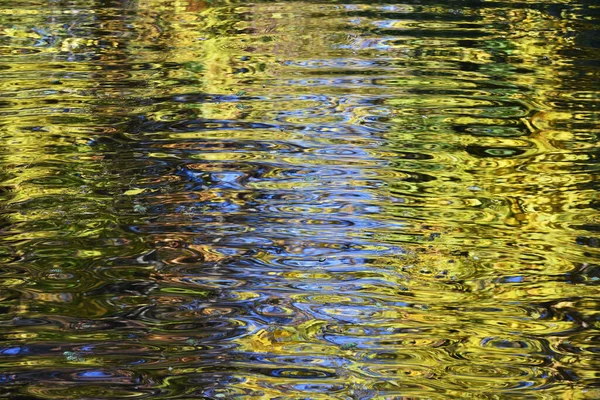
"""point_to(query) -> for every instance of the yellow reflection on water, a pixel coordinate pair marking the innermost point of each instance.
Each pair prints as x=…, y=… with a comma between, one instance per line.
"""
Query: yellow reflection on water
x=299, y=199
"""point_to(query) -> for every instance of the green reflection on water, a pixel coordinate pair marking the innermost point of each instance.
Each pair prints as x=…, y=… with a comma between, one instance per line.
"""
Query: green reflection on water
x=207, y=199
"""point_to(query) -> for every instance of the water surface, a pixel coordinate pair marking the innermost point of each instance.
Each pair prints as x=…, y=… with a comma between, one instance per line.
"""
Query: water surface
x=293, y=200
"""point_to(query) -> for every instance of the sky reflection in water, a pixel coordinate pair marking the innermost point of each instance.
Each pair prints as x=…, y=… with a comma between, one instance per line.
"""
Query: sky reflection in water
x=209, y=199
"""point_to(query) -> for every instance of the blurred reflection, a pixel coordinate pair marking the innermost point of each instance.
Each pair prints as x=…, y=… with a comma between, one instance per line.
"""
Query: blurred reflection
x=213, y=199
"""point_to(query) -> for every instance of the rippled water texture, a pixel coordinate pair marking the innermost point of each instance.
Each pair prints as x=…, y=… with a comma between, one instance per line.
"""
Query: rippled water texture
x=299, y=200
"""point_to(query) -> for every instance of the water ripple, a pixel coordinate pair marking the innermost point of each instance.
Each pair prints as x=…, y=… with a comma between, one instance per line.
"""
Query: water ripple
x=211, y=199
